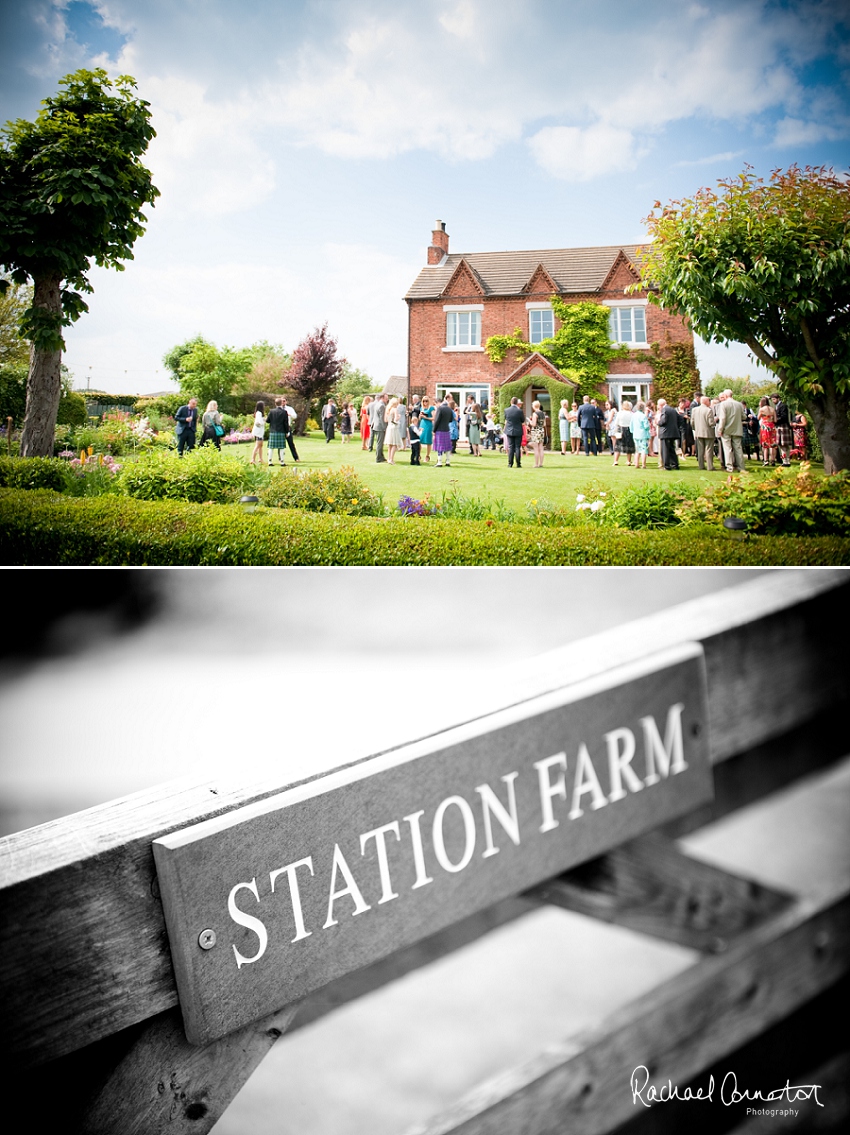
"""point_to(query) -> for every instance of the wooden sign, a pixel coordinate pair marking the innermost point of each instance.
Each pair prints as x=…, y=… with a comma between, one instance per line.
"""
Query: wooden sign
x=275, y=899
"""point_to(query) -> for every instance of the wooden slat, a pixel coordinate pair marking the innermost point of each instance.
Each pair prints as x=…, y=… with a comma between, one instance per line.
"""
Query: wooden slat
x=676, y=1031
x=151, y=1079
x=165, y=1084
x=775, y=650
x=82, y=938
x=648, y=885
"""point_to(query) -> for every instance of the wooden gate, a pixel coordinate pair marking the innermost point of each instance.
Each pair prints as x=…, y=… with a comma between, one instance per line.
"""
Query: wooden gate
x=92, y=1027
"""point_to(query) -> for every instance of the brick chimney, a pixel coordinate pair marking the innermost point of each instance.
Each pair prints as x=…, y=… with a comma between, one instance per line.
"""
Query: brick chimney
x=439, y=246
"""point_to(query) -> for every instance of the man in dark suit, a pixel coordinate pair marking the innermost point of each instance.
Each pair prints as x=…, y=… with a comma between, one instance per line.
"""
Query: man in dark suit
x=187, y=424
x=668, y=435
x=514, y=419
x=587, y=420
x=600, y=422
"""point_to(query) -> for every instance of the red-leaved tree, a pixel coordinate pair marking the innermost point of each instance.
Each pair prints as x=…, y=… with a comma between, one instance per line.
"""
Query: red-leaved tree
x=316, y=369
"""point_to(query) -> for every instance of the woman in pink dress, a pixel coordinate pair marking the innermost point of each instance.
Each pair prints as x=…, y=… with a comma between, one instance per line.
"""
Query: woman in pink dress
x=767, y=432
x=364, y=422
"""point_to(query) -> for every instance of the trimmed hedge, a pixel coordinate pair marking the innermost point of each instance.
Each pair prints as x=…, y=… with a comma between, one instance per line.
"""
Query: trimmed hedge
x=35, y=473
x=44, y=528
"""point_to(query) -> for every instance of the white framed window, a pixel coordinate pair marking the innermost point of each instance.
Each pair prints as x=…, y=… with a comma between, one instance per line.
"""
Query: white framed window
x=541, y=322
x=463, y=327
x=627, y=323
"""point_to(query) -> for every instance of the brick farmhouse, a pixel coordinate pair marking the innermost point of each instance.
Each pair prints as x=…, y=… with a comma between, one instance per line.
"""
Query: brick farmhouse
x=459, y=300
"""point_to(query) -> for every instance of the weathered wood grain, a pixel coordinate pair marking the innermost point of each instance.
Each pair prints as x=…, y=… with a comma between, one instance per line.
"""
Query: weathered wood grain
x=166, y=1084
x=676, y=1031
x=648, y=885
x=83, y=950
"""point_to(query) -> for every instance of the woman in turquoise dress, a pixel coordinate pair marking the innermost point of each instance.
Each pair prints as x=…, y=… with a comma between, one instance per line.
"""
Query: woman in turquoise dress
x=426, y=427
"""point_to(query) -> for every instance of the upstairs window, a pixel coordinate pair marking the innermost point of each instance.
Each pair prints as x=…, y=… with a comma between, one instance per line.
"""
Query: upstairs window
x=541, y=324
x=627, y=325
x=463, y=328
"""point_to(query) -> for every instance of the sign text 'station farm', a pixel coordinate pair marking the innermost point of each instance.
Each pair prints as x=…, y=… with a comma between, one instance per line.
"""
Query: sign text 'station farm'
x=275, y=899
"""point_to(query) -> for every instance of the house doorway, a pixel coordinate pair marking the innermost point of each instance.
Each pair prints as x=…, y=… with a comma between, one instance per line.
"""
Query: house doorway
x=460, y=391
x=540, y=394
x=634, y=390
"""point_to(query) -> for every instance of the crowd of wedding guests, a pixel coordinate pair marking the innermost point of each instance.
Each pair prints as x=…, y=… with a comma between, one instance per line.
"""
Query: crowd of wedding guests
x=721, y=430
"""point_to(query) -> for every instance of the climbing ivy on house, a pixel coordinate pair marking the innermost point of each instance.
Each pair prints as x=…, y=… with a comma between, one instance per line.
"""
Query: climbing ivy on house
x=581, y=345
x=674, y=368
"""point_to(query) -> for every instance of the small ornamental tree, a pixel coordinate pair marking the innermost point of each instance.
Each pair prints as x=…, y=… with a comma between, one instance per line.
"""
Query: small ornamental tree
x=767, y=264
x=72, y=189
x=316, y=369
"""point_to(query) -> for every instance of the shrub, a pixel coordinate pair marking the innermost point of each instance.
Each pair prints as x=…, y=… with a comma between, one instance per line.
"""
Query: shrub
x=34, y=473
x=163, y=406
x=646, y=506
x=13, y=393
x=322, y=490
x=778, y=504
x=72, y=409
x=200, y=475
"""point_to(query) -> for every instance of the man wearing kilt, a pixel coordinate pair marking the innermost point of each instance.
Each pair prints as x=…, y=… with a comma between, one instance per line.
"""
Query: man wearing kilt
x=442, y=432
x=784, y=433
x=278, y=426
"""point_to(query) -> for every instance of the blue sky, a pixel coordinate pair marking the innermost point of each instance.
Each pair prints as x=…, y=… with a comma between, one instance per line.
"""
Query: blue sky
x=305, y=147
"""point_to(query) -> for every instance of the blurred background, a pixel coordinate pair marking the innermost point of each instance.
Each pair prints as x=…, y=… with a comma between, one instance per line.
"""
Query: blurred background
x=125, y=679
x=120, y=679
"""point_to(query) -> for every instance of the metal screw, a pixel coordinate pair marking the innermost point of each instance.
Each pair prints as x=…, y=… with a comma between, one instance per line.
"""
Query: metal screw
x=206, y=939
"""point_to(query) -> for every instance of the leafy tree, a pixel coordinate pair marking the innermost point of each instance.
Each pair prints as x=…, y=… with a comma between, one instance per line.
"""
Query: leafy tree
x=580, y=348
x=173, y=359
x=316, y=369
x=767, y=264
x=210, y=373
x=72, y=189
x=267, y=377
x=740, y=387
x=354, y=385
x=14, y=301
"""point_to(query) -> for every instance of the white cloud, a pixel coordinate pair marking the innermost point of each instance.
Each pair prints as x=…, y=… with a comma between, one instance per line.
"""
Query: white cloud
x=713, y=159
x=574, y=154
x=460, y=81
x=797, y=132
x=205, y=157
x=460, y=20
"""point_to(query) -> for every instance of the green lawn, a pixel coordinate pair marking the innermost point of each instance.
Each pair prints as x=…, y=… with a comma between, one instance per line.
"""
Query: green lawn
x=488, y=476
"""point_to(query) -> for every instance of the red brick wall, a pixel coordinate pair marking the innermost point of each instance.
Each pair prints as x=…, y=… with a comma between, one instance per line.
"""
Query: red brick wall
x=430, y=365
